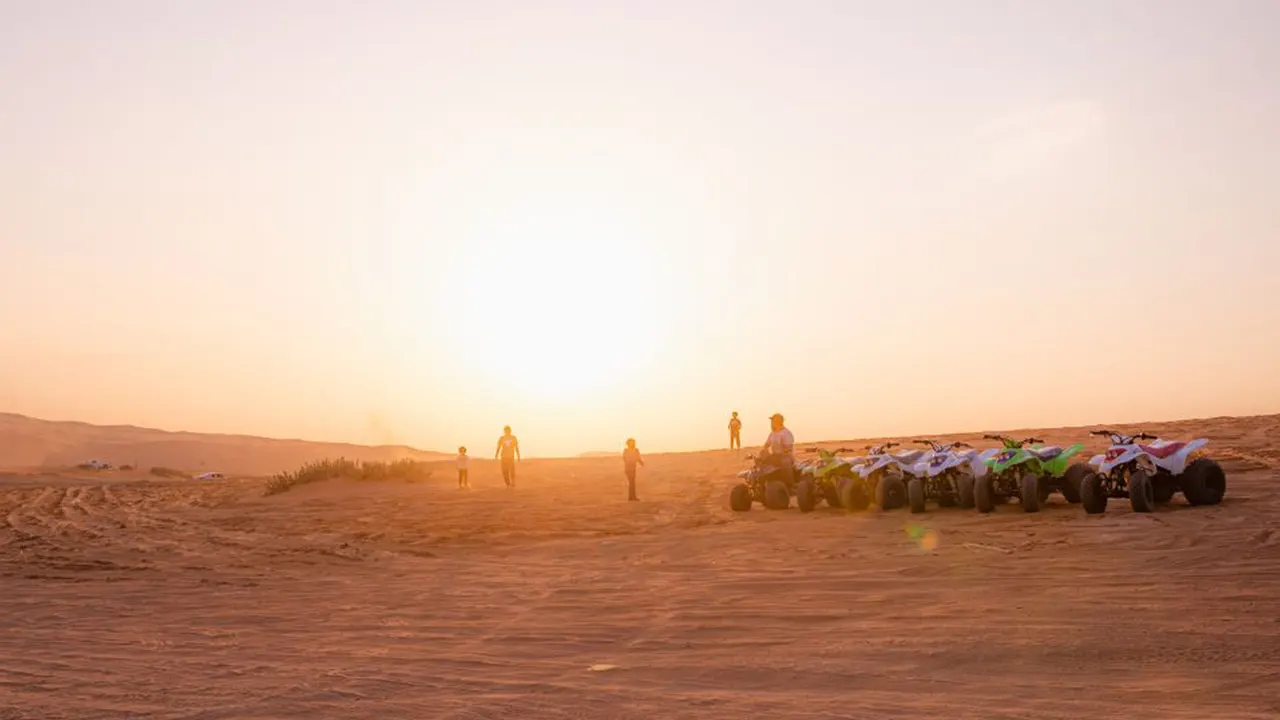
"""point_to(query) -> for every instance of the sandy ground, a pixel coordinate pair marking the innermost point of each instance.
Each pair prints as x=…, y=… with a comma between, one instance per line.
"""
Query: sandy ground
x=163, y=599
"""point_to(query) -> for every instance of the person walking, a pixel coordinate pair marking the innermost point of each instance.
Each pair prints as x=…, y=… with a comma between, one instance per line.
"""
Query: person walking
x=631, y=458
x=509, y=451
x=735, y=432
x=463, y=462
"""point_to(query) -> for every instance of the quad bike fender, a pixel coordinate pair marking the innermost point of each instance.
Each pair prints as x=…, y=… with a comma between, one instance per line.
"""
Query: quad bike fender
x=1096, y=460
x=988, y=454
x=977, y=466
x=1057, y=467
x=867, y=468
x=1117, y=456
x=1177, y=462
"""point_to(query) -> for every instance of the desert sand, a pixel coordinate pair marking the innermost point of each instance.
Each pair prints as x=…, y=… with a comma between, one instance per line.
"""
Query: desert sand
x=148, y=598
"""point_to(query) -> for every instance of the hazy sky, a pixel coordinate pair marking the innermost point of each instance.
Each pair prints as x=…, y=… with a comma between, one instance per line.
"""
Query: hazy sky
x=416, y=221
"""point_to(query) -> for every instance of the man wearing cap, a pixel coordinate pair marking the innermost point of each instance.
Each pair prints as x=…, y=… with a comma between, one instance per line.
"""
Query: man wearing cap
x=779, y=448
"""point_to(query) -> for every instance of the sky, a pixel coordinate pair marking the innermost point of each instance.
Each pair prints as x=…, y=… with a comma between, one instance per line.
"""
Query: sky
x=414, y=222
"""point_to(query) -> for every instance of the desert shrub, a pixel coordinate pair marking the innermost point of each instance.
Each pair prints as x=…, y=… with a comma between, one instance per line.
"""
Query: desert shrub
x=342, y=468
x=165, y=472
x=126, y=467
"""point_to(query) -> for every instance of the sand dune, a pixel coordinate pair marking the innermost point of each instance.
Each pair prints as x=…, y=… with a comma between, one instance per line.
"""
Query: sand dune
x=30, y=443
x=156, y=599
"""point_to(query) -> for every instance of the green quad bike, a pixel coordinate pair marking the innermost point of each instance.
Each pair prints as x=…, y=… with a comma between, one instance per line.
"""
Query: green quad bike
x=1029, y=472
x=831, y=478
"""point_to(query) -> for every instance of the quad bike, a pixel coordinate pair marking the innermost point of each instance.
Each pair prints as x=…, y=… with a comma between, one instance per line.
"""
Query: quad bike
x=945, y=475
x=764, y=483
x=1014, y=470
x=886, y=475
x=825, y=477
x=1149, y=474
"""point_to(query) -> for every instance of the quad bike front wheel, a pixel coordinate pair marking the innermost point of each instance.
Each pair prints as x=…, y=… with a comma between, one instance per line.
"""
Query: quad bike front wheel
x=776, y=496
x=984, y=494
x=891, y=493
x=740, y=498
x=1142, y=496
x=1204, y=482
x=804, y=496
x=915, y=495
x=1093, y=496
x=1031, y=488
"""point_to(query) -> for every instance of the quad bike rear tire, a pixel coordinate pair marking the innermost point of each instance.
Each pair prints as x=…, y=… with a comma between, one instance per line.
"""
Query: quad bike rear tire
x=853, y=496
x=1031, y=488
x=804, y=496
x=964, y=487
x=1203, y=482
x=740, y=498
x=984, y=494
x=891, y=493
x=776, y=496
x=1092, y=495
x=915, y=495
x=831, y=495
x=1069, y=483
x=1142, y=495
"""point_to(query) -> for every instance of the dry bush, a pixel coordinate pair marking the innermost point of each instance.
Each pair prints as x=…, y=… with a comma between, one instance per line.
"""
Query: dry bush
x=403, y=470
x=165, y=472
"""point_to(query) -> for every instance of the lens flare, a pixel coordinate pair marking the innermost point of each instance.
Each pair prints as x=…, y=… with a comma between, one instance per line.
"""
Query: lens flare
x=925, y=539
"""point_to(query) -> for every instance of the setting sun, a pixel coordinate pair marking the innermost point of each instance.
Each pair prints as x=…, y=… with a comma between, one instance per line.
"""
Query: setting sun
x=548, y=302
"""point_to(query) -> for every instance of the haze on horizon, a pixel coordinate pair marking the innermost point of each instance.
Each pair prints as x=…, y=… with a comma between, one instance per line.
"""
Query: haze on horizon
x=414, y=222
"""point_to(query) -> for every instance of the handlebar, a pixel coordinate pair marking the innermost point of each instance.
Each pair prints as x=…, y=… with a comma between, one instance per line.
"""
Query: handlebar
x=959, y=444
x=1030, y=440
x=994, y=437
x=1121, y=438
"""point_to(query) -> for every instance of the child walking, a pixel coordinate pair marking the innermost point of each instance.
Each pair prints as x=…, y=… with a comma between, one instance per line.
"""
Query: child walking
x=631, y=458
x=463, y=461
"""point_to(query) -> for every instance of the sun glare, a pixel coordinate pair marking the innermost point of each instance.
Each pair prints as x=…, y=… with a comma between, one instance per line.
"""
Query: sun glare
x=554, y=307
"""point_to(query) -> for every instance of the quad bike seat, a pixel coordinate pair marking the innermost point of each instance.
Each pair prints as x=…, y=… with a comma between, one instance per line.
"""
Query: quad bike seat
x=1048, y=452
x=1162, y=449
x=909, y=457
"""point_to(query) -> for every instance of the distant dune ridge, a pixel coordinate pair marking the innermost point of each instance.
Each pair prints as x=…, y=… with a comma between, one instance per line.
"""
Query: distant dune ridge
x=27, y=442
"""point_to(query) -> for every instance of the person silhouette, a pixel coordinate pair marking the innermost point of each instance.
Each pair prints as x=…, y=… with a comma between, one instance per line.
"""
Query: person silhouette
x=509, y=451
x=735, y=432
x=630, y=458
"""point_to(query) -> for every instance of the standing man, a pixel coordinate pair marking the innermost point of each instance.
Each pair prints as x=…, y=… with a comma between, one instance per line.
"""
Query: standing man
x=630, y=458
x=735, y=432
x=779, y=447
x=509, y=451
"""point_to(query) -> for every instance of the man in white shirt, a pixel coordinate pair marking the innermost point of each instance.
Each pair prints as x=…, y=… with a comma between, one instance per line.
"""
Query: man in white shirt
x=779, y=448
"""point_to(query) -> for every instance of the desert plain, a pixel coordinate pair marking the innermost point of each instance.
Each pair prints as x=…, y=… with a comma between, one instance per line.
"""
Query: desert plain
x=124, y=595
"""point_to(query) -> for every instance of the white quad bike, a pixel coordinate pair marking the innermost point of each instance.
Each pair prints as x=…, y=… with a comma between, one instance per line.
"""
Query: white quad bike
x=887, y=474
x=1150, y=474
x=945, y=474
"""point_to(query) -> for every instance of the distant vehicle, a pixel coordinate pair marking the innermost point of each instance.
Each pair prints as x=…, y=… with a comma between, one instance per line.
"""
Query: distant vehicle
x=96, y=465
x=210, y=476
